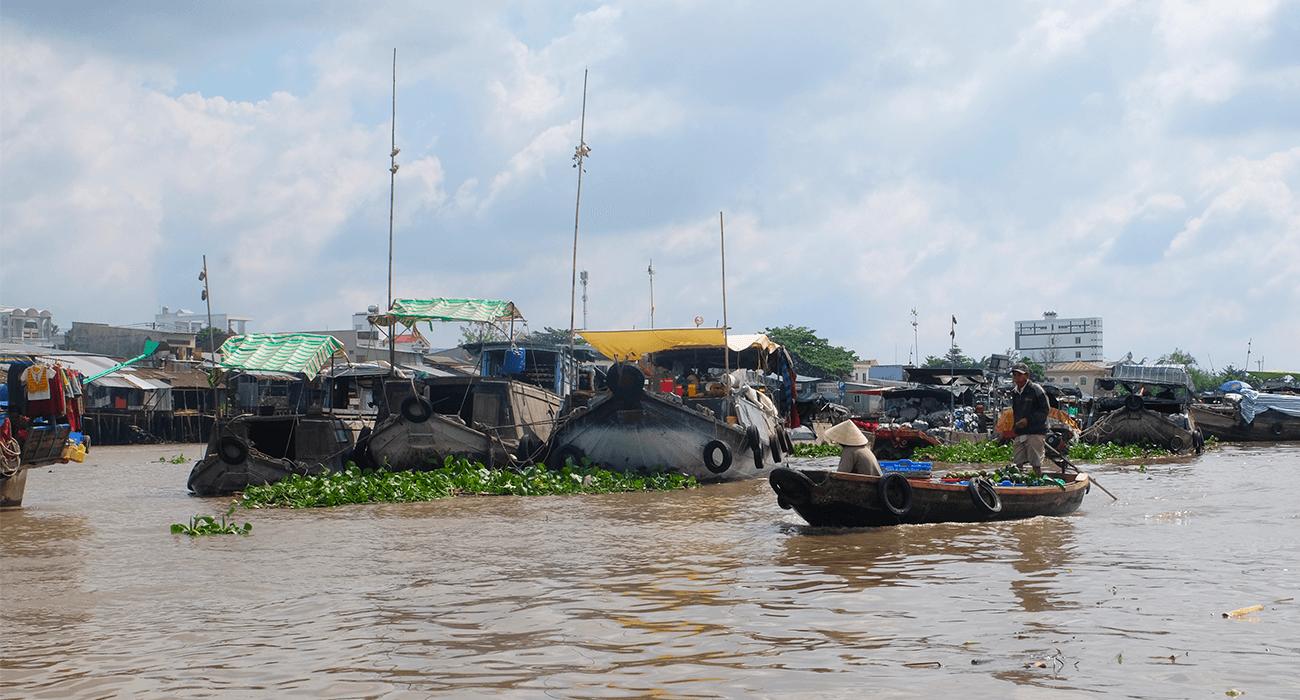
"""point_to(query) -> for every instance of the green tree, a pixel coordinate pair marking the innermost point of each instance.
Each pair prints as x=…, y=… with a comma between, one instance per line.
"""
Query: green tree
x=952, y=358
x=218, y=337
x=813, y=356
x=1203, y=381
x=554, y=337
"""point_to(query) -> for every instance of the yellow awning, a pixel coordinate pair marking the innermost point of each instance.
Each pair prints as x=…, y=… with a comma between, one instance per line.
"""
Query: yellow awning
x=631, y=345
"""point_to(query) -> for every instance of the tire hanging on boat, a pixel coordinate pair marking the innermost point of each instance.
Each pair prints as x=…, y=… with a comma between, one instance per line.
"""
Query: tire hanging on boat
x=232, y=450
x=883, y=487
x=792, y=487
x=979, y=488
x=1277, y=428
x=1176, y=444
x=786, y=443
x=723, y=463
x=1133, y=402
x=775, y=443
x=567, y=453
x=416, y=409
x=755, y=445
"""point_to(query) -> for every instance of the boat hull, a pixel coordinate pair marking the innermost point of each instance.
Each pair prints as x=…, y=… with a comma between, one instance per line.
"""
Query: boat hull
x=1225, y=423
x=258, y=450
x=1177, y=433
x=496, y=422
x=647, y=431
x=837, y=499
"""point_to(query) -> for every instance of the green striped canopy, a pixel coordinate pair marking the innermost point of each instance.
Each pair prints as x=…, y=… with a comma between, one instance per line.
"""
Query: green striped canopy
x=294, y=353
x=409, y=312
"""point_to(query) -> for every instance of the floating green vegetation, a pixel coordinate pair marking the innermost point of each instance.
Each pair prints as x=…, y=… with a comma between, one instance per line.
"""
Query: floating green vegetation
x=456, y=476
x=805, y=449
x=991, y=451
x=1009, y=473
x=178, y=459
x=207, y=525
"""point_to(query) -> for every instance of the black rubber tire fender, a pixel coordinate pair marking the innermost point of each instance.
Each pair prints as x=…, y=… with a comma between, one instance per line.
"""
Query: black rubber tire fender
x=774, y=443
x=416, y=409
x=723, y=463
x=1277, y=428
x=1176, y=444
x=232, y=450
x=625, y=380
x=792, y=487
x=887, y=482
x=565, y=454
x=787, y=444
x=1133, y=402
x=978, y=488
x=755, y=445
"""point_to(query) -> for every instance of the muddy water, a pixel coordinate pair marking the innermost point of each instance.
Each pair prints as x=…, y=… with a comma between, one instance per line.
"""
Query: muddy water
x=711, y=593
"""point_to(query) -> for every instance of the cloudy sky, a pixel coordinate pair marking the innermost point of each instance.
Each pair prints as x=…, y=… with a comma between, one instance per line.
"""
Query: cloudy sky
x=1137, y=161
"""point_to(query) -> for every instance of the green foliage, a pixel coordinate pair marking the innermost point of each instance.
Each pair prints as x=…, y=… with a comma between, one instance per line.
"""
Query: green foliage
x=207, y=525
x=553, y=337
x=456, y=476
x=1009, y=473
x=965, y=453
x=990, y=451
x=481, y=333
x=952, y=358
x=178, y=459
x=806, y=449
x=813, y=356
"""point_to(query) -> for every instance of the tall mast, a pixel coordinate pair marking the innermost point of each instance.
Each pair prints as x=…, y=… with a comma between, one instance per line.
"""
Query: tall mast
x=579, y=155
x=392, y=190
x=726, y=350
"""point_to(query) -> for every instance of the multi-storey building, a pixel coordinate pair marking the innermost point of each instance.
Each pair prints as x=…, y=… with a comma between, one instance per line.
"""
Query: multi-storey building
x=1054, y=340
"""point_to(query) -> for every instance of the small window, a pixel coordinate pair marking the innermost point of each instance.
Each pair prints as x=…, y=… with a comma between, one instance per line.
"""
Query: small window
x=1077, y=340
x=1083, y=381
x=1065, y=380
x=1078, y=353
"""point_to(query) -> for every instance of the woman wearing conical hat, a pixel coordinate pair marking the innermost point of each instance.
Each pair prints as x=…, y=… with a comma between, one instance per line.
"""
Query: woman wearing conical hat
x=855, y=449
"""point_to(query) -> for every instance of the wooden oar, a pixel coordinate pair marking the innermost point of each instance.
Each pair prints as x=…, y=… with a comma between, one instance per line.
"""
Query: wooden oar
x=1059, y=458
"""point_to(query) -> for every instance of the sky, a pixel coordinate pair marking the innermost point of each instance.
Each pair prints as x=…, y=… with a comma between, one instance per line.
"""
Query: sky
x=984, y=162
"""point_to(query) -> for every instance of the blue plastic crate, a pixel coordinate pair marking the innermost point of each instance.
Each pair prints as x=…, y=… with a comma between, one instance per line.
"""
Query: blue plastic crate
x=905, y=465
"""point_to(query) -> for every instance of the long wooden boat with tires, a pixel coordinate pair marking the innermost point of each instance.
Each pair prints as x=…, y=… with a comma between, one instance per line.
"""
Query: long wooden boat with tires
x=258, y=449
x=840, y=499
x=251, y=450
x=686, y=400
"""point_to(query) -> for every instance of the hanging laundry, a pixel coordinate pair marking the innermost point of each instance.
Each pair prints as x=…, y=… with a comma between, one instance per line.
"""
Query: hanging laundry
x=37, y=378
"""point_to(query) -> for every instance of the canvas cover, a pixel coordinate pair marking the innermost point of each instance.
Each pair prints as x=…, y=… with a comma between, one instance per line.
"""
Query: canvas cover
x=293, y=353
x=409, y=312
x=631, y=345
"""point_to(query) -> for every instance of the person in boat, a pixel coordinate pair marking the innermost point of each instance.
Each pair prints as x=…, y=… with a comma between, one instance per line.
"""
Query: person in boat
x=1029, y=408
x=855, y=449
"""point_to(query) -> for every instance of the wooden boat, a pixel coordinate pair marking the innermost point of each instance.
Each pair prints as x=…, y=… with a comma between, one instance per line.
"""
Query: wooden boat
x=254, y=450
x=499, y=416
x=837, y=499
x=1154, y=410
x=1250, y=416
x=691, y=417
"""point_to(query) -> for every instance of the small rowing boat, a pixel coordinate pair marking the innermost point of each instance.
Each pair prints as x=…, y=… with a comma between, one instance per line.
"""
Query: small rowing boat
x=842, y=499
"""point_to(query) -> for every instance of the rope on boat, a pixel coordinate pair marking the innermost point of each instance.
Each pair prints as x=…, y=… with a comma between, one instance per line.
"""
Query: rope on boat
x=11, y=462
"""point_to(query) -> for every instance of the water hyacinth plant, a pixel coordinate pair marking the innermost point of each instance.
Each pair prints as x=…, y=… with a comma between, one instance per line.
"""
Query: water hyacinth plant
x=807, y=449
x=456, y=476
x=207, y=525
x=991, y=451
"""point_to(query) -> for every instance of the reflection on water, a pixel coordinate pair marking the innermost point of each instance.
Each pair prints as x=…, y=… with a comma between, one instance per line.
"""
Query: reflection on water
x=708, y=593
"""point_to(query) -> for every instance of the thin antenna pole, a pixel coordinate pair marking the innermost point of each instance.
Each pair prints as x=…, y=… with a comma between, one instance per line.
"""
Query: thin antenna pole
x=651, y=270
x=392, y=194
x=1248, y=342
x=726, y=351
x=579, y=155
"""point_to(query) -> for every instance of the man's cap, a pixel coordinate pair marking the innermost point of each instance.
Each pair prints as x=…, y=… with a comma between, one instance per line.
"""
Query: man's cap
x=1020, y=368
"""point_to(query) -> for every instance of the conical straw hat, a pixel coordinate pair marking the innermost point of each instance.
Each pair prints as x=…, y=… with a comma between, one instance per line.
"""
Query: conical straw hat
x=846, y=433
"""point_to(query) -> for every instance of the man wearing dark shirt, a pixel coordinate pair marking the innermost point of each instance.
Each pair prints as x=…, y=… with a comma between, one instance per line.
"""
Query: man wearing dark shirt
x=1029, y=408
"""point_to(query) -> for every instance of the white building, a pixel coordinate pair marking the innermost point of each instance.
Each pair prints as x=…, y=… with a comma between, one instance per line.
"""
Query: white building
x=186, y=321
x=1053, y=340
x=27, y=326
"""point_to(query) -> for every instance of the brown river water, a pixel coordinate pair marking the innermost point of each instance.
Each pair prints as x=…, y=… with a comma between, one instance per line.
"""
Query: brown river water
x=708, y=593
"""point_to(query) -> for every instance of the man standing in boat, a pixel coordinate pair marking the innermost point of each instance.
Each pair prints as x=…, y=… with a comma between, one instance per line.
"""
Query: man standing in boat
x=1029, y=409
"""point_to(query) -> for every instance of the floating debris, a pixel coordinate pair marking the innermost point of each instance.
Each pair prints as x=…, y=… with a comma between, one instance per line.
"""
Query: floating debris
x=925, y=664
x=1243, y=611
